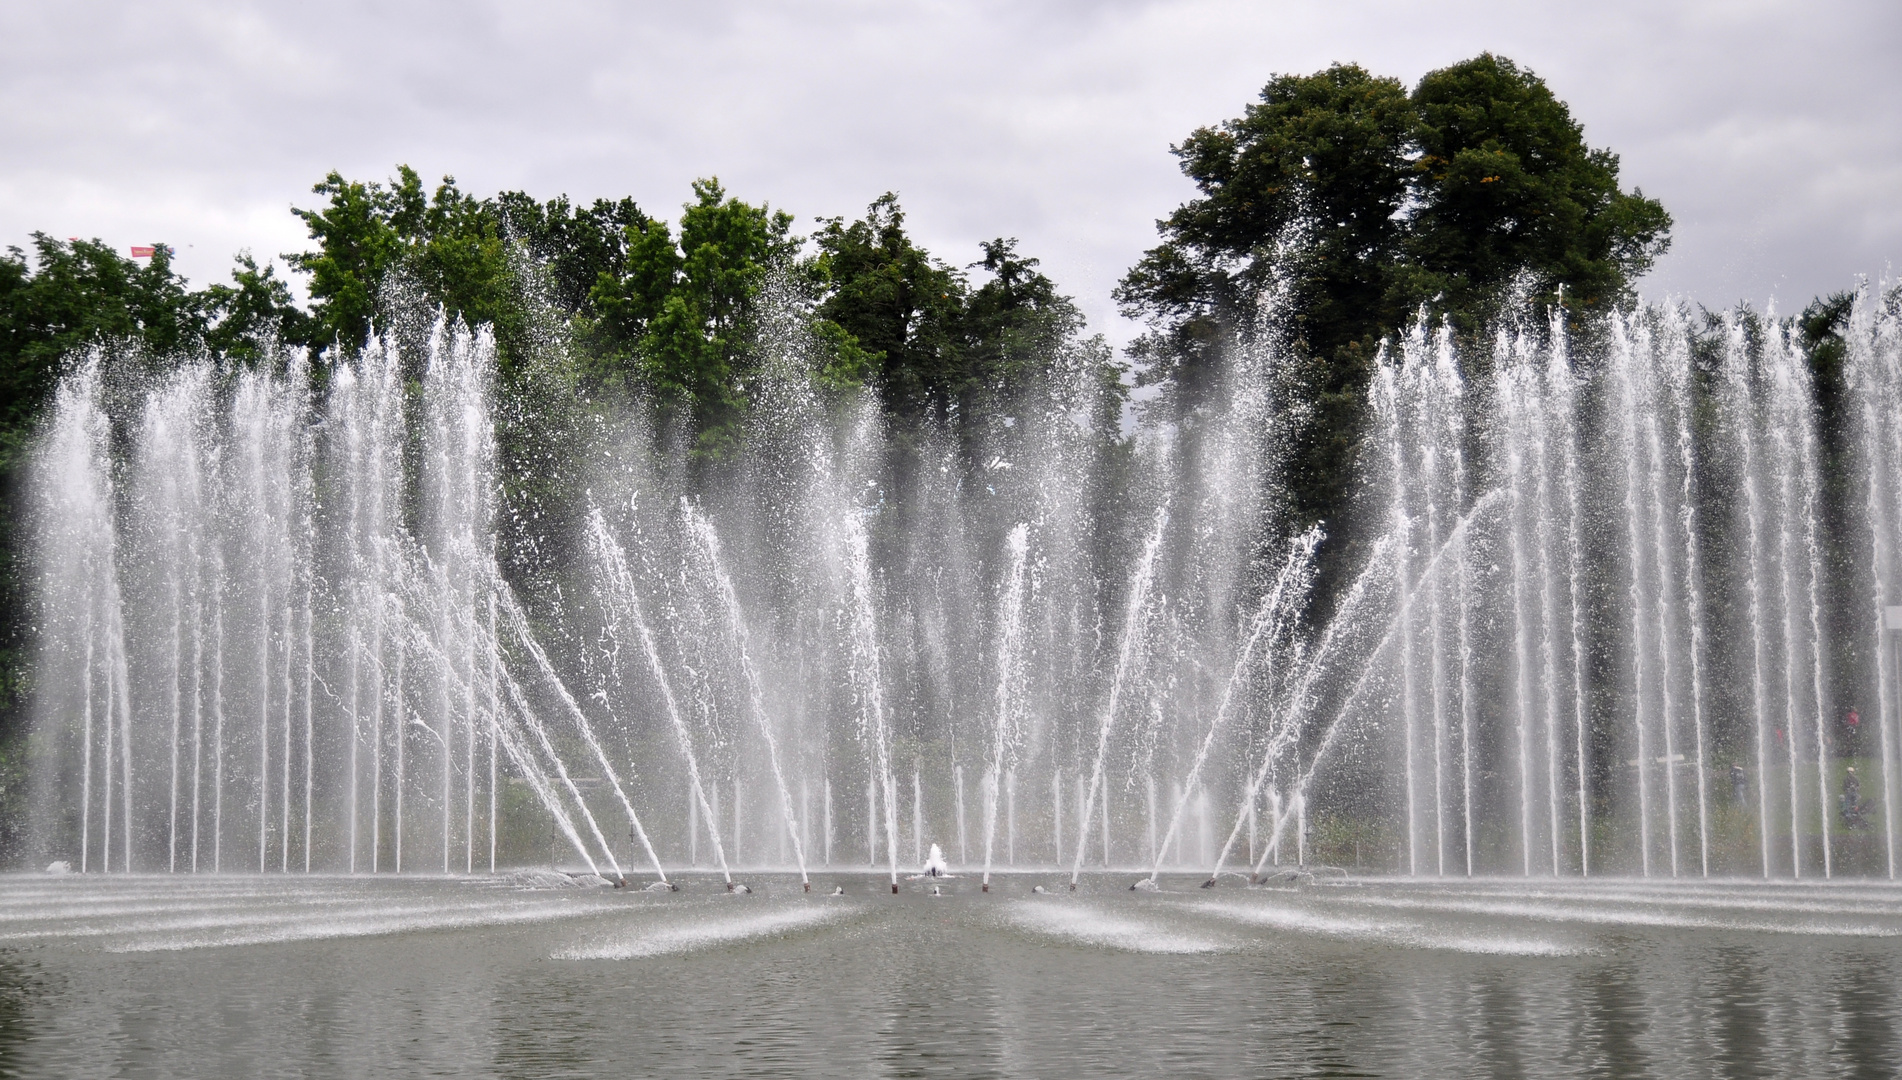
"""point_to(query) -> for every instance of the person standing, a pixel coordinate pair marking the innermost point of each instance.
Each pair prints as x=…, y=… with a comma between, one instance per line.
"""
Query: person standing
x=1739, y=784
x=1852, y=798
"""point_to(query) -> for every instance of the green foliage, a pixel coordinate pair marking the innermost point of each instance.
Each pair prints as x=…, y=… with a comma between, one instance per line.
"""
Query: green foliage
x=358, y=246
x=1356, y=205
x=576, y=245
x=1820, y=328
x=684, y=313
x=930, y=343
x=848, y=365
x=81, y=293
x=1302, y=196
x=1015, y=324
x=1505, y=186
x=1323, y=152
x=899, y=305
x=252, y=313
x=447, y=243
x=676, y=315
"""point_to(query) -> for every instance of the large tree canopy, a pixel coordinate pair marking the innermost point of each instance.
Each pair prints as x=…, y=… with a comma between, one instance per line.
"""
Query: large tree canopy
x=1505, y=186
x=1358, y=205
x=448, y=243
x=930, y=342
x=683, y=313
x=1325, y=152
x=83, y=292
x=674, y=313
x=891, y=299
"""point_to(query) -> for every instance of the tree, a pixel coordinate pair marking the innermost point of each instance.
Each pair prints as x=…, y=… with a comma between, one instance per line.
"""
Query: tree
x=84, y=292
x=253, y=313
x=357, y=245
x=448, y=244
x=684, y=313
x=575, y=244
x=1359, y=205
x=1505, y=187
x=887, y=297
x=930, y=343
x=1325, y=152
x=1014, y=324
x=75, y=295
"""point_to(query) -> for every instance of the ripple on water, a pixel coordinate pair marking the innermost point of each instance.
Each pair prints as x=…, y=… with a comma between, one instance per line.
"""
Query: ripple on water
x=1092, y=926
x=168, y=914
x=369, y=922
x=703, y=933
x=1586, y=911
x=1413, y=935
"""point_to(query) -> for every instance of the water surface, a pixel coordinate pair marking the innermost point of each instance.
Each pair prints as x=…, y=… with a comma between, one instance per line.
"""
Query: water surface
x=240, y=976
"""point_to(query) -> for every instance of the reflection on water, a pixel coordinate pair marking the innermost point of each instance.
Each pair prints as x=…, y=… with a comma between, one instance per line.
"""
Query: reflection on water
x=347, y=977
x=22, y=984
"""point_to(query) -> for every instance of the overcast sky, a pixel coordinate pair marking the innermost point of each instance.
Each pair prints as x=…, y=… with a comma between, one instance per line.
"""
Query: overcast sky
x=1771, y=130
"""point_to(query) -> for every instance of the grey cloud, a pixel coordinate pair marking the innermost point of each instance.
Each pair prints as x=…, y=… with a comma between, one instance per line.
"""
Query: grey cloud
x=1770, y=129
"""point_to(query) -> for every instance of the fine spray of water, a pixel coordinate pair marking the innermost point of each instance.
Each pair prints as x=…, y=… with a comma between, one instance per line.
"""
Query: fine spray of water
x=1010, y=636
x=704, y=535
x=1133, y=616
x=1272, y=622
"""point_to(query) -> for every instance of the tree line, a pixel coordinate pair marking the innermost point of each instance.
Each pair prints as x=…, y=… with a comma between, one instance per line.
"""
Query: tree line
x=1356, y=203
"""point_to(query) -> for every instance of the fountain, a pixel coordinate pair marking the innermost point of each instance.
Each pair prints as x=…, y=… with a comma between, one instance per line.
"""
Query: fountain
x=1588, y=574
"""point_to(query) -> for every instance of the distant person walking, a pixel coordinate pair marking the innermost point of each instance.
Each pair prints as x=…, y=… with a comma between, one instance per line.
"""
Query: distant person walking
x=1739, y=784
x=1852, y=799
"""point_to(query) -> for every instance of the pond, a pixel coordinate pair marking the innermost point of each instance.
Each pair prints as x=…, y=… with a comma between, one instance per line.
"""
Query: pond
x=281, y=976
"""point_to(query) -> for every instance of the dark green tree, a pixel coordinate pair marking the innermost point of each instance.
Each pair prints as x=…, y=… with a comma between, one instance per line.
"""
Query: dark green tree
x=253, y=313
x=357, y=246
x=1508, y=196
x=1301, y=195
x=1014, y=324
x=84, y=292
x=1356, y=205
x=70, y=297
x=931, y=344
x=448, y=244
x=575, y=245
x=684, y=313
x=900, y=308
x=1324, y=154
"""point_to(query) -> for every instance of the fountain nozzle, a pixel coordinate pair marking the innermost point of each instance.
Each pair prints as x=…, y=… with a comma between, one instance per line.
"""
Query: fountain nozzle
x=1073, y=886
x=894, y=888
x=808, y=886
x=1209, y=884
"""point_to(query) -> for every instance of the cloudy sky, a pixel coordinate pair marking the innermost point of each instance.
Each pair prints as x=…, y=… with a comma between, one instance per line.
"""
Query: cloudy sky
x=1772, y=130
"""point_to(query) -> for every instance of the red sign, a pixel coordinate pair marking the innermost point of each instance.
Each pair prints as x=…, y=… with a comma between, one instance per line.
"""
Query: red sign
x=144, y=252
